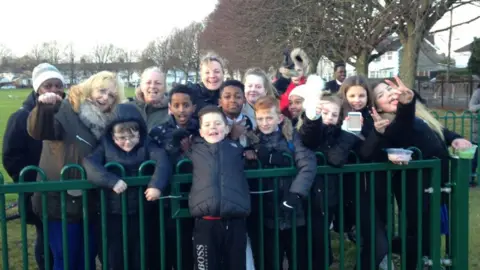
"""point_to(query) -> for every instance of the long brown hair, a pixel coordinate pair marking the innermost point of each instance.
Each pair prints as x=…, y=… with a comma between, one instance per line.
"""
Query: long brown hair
x=349, y=82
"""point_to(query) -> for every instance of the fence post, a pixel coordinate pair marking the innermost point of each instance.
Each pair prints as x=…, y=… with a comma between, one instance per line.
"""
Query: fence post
x=460, y=177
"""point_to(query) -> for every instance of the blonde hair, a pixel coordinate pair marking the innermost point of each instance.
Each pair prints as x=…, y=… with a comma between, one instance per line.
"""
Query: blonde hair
x=212, y=57
x=422, y=113
x=267, y=84
x=80, y=92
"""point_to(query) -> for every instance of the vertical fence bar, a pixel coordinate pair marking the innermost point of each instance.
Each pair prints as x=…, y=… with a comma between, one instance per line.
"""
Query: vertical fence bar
x=461, y=169
x=63, y=211
x=141, y=221
x=46, y=246
x=373, y=224
x=435, y=238
x=161, y=212
x=403, y=219
x=124, y=229
x=103, y=225
x=261, y=243
x=419, y=195
x=276, y=228
x=86, y=230
x=3, y=223
x=358, y=186
x=23, y=224
x=390, y=213
x=342, y=242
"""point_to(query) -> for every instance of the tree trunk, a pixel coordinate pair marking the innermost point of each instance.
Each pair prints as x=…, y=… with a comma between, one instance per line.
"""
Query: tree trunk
x=409, y=56
x=362, y=63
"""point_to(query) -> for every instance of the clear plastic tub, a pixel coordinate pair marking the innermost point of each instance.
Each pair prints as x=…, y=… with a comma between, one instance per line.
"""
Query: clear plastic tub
x=466, y=153
x=399, y=154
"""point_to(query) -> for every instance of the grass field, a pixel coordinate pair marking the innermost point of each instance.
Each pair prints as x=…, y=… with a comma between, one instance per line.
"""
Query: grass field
x=11, y=100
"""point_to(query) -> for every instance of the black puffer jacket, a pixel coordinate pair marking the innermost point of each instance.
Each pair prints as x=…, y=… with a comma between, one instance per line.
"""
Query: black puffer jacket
x=304, y=161
x=20, y=150
x=219, y=186
x=108, y=151
x=204, y=97
x=335, y=144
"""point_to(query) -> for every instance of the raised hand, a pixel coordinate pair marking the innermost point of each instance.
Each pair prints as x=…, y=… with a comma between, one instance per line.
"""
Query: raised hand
x=401, y=92
x=238, y=129
x=379, y=123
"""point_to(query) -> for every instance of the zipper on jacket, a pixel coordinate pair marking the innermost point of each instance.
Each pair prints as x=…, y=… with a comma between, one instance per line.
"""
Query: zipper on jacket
x=83, y=140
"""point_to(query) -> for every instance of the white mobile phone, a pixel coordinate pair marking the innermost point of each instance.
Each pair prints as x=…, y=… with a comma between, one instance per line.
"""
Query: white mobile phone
x=354, y=121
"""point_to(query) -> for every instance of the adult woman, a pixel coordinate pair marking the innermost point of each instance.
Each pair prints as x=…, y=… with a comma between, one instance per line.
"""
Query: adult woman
x=70, y=131
x=401, y=121
x=151, y=97
x=212, y=76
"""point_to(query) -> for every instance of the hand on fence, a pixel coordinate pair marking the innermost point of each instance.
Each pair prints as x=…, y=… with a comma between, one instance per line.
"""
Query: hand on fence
x=152, y=194
x=250, y=155
x=401, y=92
x=120, y=186
x=379, y=123
x=461, y=143
x=291, y=202
x=49, y=98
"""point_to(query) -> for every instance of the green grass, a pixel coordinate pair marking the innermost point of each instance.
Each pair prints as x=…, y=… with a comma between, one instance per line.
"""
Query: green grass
x=11, y=100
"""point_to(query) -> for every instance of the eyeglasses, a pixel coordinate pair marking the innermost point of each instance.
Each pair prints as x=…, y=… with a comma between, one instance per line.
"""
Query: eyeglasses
x=123, y=139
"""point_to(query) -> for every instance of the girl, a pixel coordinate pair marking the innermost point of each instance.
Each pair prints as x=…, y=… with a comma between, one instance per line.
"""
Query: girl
x=355, y=93
x=257, y=85
x=400, y=121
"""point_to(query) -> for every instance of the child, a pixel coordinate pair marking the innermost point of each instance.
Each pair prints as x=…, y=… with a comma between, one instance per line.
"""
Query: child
x=326, y=135
x=257, y=85
x=170, y=135
x=355, y=92
x=219, y=199
x=277, y=137
x=126, y=141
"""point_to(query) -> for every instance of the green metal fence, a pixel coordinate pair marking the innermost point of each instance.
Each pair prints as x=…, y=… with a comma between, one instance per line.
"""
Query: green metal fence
x=453, y=255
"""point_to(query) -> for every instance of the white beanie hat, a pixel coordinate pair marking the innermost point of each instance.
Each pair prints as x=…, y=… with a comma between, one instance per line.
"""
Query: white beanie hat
x=311, y=89
x=44, y=72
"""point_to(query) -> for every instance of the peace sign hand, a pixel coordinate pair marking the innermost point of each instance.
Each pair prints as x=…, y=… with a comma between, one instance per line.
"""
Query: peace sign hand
x=379, y=123
x=402, y=93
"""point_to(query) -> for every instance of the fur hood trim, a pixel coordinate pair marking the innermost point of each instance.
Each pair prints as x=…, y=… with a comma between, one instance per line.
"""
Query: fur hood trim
x=300, y=59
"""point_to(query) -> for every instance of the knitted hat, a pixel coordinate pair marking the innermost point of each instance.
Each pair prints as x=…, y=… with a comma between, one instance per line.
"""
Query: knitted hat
x=311, y=89
x=44, y=72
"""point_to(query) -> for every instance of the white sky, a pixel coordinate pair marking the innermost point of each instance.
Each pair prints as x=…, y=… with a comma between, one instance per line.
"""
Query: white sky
x=132, y=24
x=125, y=23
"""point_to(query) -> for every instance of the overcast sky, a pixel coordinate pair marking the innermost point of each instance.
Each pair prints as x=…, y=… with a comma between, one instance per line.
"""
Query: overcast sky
x=125, y=23
x=132, y=24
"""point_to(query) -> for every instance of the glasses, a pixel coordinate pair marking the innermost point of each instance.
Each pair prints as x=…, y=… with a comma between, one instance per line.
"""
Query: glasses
x=123, y=139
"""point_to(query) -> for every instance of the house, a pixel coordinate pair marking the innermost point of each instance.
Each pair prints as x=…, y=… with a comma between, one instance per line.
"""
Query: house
x=388, y=64
x=463, y=54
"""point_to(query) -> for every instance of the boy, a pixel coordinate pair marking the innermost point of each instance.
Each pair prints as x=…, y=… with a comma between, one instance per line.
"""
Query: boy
x=170, y=135
x=232, y=99
x=219, y=199
x=277, y=137
x=126, y=141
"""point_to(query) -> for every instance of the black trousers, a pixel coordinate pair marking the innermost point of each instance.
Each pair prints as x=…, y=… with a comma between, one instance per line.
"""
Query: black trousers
x=153, y=243
x=220, y=244
x=286, y=248
x=115, y=242
x=320, y=235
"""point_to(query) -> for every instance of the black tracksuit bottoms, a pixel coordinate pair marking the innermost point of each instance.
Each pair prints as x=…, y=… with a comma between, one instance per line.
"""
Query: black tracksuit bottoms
x=220, y=244
x=115, y=242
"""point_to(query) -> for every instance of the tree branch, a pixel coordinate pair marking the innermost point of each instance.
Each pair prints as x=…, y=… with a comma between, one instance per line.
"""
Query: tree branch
x=455, y=25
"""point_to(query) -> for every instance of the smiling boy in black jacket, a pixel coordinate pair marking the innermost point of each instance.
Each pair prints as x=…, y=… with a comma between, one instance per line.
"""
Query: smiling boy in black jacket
x=126, y=141
x=219, y=199
x=277, y=138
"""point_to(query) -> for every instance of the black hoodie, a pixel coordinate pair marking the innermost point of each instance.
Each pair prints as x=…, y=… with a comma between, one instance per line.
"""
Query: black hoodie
x=21, y=150
x=107, y=151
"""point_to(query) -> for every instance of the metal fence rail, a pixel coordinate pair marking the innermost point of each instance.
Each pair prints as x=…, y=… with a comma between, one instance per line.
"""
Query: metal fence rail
x=172, y=209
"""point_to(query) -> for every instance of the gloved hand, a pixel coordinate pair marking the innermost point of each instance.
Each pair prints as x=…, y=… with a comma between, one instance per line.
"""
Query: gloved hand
x=178, y=135
x=291, y=202
x=263, y=155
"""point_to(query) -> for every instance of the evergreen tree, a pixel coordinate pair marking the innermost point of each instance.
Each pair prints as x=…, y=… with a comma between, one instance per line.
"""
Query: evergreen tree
x=474, y=61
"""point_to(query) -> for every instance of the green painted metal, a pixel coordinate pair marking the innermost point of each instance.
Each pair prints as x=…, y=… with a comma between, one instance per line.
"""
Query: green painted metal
x=459, y=209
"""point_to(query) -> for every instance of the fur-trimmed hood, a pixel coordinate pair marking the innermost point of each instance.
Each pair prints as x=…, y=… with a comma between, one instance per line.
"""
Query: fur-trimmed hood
x=300, y=59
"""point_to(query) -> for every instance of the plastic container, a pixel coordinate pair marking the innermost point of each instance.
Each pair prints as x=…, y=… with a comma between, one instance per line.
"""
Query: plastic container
x=399, y=154
x=466, y=153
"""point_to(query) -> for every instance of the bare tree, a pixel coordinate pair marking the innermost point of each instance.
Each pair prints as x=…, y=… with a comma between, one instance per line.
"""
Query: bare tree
x=87, y=66
x=185, y=49
x=158, y=52
x=51, y=52
x=103, y=54
x=69, y=55
x=5, y=56
x=36, y=54
x=127, y=61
